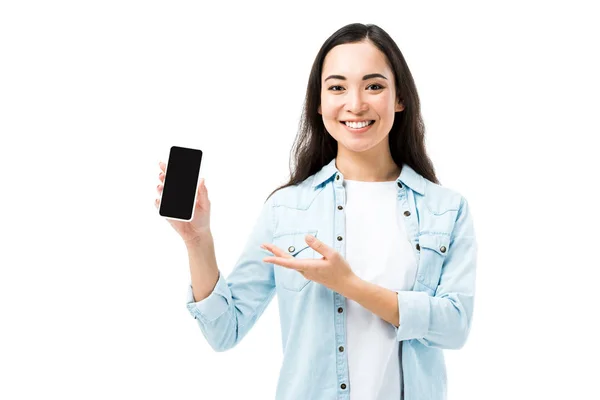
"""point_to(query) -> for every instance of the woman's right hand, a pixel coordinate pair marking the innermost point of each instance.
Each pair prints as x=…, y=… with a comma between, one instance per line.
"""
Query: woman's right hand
x=200, y=223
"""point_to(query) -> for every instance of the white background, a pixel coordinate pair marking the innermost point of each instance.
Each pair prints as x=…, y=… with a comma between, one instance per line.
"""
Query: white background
x=93, y=94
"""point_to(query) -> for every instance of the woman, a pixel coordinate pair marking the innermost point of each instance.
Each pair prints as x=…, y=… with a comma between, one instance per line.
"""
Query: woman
x=373, y=262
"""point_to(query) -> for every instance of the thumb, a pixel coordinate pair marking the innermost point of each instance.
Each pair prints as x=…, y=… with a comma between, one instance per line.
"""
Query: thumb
x=319, y=246
x=201, y=184
x=202, y=191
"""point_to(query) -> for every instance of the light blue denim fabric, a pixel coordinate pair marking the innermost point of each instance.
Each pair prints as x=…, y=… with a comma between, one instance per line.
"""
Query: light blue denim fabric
x=435, y=315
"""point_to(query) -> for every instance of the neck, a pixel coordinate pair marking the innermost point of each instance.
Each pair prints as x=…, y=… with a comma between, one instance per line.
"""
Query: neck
x=357, y=167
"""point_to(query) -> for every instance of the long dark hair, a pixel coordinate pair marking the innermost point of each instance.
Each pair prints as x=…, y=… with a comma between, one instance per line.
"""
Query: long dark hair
x=314, y=147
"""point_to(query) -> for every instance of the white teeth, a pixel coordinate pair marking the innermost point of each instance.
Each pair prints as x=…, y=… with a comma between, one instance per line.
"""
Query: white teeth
x=357, y=125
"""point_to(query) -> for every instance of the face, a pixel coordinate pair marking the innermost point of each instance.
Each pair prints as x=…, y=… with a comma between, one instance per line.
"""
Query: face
x=358, y=85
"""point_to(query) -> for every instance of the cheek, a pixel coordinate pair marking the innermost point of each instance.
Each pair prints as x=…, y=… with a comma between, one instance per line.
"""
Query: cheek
x=329, y=108
x=383, y=105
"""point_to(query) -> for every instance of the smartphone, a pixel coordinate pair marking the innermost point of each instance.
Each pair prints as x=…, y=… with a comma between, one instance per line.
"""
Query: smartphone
x=180, y=187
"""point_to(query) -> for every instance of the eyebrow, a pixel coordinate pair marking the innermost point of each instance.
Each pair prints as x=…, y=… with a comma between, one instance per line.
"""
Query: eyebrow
x=343, y=78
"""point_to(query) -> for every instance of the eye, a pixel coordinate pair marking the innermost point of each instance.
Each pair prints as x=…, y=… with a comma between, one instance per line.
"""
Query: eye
x=377, y=87
x=376, y=84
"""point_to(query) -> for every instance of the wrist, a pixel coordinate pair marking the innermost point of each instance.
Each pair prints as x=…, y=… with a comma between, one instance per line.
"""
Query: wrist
x=201, y=236
x=352, y=286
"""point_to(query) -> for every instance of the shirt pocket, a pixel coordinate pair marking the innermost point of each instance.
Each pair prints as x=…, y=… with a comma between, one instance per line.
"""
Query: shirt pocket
x=293, y=243
x=433, y=251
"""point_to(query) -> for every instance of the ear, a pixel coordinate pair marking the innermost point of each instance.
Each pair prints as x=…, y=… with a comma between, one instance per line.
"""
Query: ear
x=399, y=106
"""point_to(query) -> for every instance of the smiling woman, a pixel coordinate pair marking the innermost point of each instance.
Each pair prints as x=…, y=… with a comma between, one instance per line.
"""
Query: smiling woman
x=360, y=102
x=372, y=260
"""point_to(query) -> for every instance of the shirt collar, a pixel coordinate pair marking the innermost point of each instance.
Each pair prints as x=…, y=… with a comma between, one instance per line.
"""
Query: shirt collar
x=408, y=177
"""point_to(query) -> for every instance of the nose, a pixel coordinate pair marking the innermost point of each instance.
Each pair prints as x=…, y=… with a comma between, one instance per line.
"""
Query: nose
x=356, y=103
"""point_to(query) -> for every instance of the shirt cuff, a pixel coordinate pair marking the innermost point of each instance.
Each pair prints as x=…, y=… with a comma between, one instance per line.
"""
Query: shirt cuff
x=414, y=309
x=213, y=306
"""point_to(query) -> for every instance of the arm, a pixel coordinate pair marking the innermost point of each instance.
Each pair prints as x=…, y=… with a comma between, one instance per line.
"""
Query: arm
x=443, y=320
x=377, y=299
x=234, y=305
x=203, y=265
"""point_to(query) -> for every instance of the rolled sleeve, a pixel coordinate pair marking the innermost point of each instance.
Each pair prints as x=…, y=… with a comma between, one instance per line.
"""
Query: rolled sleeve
x=414, y=309
x=443, y=320
x=213, y=306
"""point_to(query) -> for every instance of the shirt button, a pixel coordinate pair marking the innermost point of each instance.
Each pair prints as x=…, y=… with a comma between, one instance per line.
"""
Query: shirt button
x=406, y=213
x=343, y=386
x=399, y=184
x=341, y=349
x=443, y=249
x=339, y=238
x=340, y=310
x=418, y=247
x=291, y=249
x=337, y=177
x=340, y=208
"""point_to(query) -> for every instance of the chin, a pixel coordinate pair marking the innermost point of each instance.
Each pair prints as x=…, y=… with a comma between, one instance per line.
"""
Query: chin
x=358, y=148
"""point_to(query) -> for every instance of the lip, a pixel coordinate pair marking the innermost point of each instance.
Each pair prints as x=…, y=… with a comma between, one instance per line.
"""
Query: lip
x=361, y=130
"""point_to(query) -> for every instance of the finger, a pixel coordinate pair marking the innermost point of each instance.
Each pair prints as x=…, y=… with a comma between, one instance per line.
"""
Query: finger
x=162, y=165
x=276, y=250
x=159, y=188
x=287, y=262
x=161, y=176
x=156, y=202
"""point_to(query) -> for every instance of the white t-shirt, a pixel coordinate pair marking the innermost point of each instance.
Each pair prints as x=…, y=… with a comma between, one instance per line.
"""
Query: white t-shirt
x=379, y=251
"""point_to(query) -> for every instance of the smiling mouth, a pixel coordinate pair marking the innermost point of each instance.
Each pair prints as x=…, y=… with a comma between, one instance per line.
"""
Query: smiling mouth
x=349, y=126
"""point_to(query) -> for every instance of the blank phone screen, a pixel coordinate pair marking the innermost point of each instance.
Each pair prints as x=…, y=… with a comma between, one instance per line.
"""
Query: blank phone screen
x=181, y=183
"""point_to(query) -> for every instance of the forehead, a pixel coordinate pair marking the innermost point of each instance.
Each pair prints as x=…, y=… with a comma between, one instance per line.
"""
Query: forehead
x=353, y=60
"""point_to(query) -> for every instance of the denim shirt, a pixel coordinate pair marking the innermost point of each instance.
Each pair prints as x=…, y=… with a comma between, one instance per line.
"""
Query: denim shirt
x=435, y=315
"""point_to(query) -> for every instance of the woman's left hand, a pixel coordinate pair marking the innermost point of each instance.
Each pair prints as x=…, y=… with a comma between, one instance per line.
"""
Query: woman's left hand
x=331, y=270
